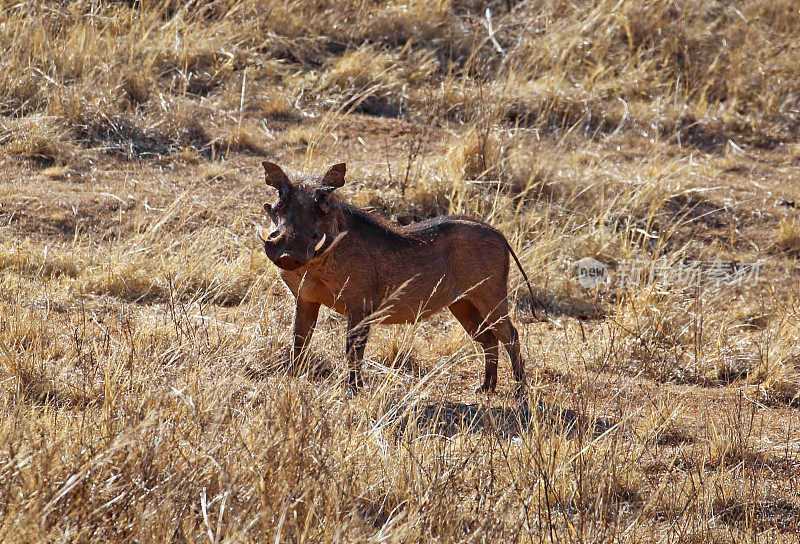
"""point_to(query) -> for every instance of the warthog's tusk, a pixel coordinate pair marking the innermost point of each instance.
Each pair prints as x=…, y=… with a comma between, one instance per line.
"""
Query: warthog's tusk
x=261, y=233
x=320, y=243
x=330, y=246
x=336, y=240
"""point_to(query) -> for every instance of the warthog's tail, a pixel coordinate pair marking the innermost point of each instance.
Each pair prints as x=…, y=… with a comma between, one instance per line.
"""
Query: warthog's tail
x=525, y=276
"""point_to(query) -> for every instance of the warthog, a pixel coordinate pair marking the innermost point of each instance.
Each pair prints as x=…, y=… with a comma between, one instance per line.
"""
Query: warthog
x=372, y=271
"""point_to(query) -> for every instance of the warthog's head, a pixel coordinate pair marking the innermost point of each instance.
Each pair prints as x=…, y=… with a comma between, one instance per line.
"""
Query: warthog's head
x=306, y=221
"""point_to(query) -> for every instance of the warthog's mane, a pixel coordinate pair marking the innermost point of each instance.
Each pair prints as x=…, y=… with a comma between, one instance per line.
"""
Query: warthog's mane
x=376, y=224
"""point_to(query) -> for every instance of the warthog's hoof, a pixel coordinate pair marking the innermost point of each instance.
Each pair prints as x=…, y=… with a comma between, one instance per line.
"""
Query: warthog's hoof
x=354, y=381
x=485, y=388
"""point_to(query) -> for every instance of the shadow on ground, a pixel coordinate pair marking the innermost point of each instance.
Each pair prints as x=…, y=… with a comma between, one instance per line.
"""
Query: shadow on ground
x=451, y=418
x=317, y=367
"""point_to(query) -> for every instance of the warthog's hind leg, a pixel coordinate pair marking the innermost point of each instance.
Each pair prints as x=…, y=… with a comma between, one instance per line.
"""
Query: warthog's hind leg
x=469, y=317
x=496, y=317
x=507, y=333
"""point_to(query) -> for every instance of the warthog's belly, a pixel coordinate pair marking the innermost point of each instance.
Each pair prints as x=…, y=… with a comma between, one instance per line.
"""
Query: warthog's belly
x=398, y=314
x=394, y=306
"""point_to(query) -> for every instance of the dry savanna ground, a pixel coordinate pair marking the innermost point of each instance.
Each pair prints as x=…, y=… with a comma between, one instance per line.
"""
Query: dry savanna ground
x=144, y=335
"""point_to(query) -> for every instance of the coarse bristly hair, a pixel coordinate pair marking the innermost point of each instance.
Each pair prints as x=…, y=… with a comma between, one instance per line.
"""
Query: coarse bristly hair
x=373, y=221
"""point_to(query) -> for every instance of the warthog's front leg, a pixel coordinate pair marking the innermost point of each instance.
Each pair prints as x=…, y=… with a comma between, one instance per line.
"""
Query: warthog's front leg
x=305, y=318
x=356, y=341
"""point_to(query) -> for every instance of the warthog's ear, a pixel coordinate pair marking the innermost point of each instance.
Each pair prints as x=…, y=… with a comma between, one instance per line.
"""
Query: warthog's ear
x=275, y=177
x=332, y=180
x=334, y=177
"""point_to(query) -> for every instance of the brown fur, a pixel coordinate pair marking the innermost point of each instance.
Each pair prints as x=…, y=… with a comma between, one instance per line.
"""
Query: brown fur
x=383, y=273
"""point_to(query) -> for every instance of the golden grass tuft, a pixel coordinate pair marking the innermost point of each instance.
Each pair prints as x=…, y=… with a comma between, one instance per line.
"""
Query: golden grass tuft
x=476, y=157
x=48, y=262
x=787, y=236
x=36, y=139
x=215, y=171
x=276, y=103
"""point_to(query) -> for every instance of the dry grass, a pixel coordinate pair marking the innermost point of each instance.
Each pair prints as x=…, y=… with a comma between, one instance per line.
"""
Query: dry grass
x=144, y=338
x=788, y=236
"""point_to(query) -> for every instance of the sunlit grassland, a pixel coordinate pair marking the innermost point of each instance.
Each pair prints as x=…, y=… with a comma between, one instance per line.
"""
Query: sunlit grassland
x=144, y=335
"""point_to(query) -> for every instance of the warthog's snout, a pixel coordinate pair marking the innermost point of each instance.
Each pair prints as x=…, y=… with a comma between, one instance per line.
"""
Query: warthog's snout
x=288, y=261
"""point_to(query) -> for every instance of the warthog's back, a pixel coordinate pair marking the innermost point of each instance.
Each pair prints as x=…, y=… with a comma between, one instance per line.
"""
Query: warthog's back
x=465, y=251
x=434, y=263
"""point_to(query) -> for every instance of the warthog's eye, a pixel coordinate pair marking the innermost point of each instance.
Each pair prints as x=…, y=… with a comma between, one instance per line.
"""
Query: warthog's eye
x=321, y=200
